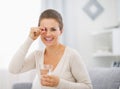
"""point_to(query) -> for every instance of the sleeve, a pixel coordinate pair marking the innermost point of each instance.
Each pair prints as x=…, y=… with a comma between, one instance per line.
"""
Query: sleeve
x=19, y=62
x=80, y=74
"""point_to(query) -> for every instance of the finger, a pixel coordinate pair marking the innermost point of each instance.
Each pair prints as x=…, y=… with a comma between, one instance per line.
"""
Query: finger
x=46, y=78
x=36, y=33
x=42, y=30
x=45, y=82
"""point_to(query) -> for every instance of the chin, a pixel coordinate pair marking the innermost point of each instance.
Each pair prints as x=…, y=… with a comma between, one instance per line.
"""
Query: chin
x=48, y=44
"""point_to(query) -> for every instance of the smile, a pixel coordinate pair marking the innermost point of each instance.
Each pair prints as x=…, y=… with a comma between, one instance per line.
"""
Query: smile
x=48, y=39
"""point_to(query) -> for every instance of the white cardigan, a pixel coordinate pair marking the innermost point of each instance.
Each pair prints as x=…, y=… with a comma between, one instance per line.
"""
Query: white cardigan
x=71, y=70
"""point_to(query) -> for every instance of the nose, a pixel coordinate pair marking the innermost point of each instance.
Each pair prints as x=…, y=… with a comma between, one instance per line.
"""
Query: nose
x=48, y=32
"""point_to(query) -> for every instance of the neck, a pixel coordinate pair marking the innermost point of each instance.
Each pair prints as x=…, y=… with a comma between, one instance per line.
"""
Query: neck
x=53, y=50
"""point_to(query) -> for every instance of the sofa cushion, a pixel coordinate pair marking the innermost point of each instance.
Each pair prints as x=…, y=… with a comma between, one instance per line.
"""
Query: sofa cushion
x=26, y=85
x=105, y=78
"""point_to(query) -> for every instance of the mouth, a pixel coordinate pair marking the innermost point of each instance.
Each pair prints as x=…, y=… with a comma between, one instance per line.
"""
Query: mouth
x=48, y=39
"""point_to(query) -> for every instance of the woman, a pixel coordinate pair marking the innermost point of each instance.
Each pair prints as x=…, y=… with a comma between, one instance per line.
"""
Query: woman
x=69, y=72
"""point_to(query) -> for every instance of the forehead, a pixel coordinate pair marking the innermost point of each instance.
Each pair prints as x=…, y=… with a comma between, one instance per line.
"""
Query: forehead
x=49, y=22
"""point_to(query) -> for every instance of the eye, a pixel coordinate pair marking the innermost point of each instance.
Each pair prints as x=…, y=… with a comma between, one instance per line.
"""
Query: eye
x=53, y=29
x=45, y=29
x=42, y=29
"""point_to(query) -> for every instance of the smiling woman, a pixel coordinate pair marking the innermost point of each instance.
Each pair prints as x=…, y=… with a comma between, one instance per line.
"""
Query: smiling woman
x=64, y=73
x=13, y=24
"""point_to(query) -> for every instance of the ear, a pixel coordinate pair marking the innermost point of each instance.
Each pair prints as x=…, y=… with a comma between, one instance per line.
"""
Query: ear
x=61, y=31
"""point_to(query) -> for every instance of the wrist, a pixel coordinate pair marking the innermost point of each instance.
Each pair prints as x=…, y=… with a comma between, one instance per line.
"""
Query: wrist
x=30, y=36
x=29, y=39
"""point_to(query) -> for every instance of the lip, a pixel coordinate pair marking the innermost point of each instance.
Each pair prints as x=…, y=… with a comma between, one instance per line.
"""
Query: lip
x=48, y=39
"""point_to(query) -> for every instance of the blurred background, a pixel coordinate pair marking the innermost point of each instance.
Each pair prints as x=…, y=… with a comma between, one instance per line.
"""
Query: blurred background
x=92, y=27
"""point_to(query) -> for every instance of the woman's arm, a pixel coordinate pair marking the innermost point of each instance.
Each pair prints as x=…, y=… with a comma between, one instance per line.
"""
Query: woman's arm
x=80, y=74
x=20, y=63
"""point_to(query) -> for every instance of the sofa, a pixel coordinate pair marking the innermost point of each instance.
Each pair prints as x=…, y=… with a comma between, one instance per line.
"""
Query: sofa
x=102, y=78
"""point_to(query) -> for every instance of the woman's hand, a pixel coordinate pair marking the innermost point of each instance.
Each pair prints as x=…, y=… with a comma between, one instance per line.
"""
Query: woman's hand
x=35, y=32
x=49, y=80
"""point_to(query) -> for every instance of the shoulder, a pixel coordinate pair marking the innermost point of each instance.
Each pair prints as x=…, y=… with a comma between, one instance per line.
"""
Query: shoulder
x=38, y=52
x=72, y=51
x=74, y=55
x=38, y=55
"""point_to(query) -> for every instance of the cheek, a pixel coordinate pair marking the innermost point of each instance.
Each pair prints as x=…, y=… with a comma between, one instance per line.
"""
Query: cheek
x=41, y=37
x=57, y=34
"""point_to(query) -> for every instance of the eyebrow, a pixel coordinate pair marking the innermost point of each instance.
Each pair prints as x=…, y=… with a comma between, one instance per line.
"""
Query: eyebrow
x=57, y=28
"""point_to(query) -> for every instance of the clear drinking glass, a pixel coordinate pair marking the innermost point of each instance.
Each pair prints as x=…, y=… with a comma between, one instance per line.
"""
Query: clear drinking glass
x=46, y=69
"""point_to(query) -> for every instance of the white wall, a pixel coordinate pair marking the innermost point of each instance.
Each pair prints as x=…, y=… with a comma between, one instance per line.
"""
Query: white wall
x=16, y=18
x=78, y=26
x=118, y=6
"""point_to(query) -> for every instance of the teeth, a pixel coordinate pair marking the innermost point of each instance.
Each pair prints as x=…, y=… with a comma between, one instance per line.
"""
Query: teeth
x=48, y=39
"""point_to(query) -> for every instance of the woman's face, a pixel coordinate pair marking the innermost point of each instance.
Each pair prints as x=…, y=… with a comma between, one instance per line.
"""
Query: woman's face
x=52, y=32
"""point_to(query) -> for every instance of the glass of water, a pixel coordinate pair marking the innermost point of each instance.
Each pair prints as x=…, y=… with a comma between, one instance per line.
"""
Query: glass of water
x=46, y=69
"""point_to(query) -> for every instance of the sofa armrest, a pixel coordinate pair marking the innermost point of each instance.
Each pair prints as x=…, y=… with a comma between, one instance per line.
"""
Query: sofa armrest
x=25, y=85
x=105, y=78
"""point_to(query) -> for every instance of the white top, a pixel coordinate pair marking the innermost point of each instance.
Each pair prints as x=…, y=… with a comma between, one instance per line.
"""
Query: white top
x=71, y=70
